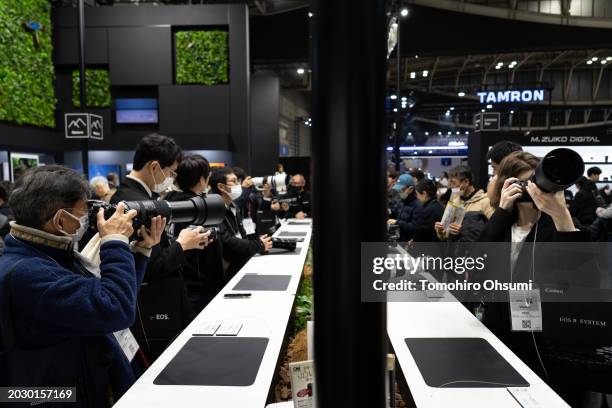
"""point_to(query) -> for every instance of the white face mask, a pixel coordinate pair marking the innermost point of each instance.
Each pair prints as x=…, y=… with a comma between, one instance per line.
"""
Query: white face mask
x=206, y=190
x=236, y=192
x=80, y=232
x=456, y=190
x=164, y=185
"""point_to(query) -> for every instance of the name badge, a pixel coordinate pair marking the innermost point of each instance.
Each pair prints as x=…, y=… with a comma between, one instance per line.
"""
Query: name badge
x=249, y=226
x=526, y=310
x=128, y=343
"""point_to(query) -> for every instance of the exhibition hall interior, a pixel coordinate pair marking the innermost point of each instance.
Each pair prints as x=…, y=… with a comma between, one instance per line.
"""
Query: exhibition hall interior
x=302, y=204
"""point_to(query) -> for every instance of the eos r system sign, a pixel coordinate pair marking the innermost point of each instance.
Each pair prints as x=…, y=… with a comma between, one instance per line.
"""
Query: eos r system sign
x=527, y=95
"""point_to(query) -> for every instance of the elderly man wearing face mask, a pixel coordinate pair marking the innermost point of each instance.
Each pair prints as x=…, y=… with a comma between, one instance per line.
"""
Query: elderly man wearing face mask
x=63, y=307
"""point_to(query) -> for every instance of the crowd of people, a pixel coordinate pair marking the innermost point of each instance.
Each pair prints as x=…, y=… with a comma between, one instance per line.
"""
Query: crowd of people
x=516, y=211
x=78, y=291
x=416, y=204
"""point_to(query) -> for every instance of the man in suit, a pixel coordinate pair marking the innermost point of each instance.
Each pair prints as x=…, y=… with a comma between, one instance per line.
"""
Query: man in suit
x=239, y=245
x=155, y=162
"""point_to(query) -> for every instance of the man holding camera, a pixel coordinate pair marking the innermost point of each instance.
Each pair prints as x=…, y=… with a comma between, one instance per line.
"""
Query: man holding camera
x=238, y=248
x=300, y=206
x=60, y=309
x=155, y=162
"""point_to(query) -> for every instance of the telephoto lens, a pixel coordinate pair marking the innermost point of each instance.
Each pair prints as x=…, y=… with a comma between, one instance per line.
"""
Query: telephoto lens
x=278, y=182
x=558, y=170
x=199, y=210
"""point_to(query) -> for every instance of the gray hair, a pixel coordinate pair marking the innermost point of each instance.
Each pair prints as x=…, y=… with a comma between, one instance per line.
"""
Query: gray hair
x=98, y=180
x=41, y=191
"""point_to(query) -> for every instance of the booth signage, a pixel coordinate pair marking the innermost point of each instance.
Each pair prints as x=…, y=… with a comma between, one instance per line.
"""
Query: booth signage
x=487, y=122
x=83, y=126
x=521, y=96
x=565, y=140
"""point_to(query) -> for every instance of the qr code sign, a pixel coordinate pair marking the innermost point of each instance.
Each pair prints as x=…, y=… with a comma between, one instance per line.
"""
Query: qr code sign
x=526, y=324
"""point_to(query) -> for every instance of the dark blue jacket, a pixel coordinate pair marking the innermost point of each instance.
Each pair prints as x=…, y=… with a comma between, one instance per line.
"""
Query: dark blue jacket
x=55, y=298
x=407, y=213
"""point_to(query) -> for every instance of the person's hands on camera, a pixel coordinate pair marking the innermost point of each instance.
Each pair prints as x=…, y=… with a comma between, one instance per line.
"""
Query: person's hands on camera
x=391, y=221
x=300, y=215
x=193, y=238
x=552, y=204
x=285, y=206
x=151, y=236
x=439, y=227
x=275, y=206
x=247, y=182
x=511, y=191
x=119, y=223
x=266, y=240
x=454, y=228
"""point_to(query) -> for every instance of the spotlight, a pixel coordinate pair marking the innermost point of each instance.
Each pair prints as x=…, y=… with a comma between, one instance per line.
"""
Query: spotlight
x=393, y=97
x=594, y=59
x=452, y=108
x=416, y=57
x=449, y=133
x=439, y=133
x=425, y=73
x=489, y=106
x=609, y=59
x=300, y=71
x=412, y=75
x=404, y=12
x=394, y=109
x=426, y=133
x=603, y=62
x=467, y=133
x=589, y=62
x=457, y=132
x=512, y=112
x=310, y=14
x=461, y=94
x=482, y=110
x=409, y=133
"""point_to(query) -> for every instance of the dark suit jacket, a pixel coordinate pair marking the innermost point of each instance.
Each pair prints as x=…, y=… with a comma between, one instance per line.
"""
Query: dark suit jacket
x=168, y=255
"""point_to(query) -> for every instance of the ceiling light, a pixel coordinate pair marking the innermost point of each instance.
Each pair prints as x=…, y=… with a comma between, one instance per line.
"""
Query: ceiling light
x=498, y=67
x=594, y=59
x=589, y=62
x=404, y=12
x=513, y=62
x=310, y=14
x=449, y=133
x=426, y=133
x=461, y=94
x=300, y=71
x=409, y=133
x=404, y=98
x=412, y=75
x=467, y=133
x=439, y=133
x=425, y=73
x=416, y=57
x=512, y=112
x=457, y=132
x=393, y=97
x=452, y=108
x=489, y=106
x=609, y=59
x=394, y=109
x=482, y=110
x=604, y=62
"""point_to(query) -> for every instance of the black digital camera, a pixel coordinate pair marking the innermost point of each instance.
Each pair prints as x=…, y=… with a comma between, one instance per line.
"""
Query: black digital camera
x=199, y=210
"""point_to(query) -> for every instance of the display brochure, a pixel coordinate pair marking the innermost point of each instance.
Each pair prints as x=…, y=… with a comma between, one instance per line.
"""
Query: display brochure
x=302, y=384
x=453, y=213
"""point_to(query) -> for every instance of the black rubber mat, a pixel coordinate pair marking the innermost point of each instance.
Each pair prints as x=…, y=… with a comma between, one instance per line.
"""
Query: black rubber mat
x=469, y=362
x=215, y=361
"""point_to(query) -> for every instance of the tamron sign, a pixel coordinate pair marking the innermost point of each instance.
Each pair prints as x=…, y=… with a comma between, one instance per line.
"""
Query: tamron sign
x=527, y=95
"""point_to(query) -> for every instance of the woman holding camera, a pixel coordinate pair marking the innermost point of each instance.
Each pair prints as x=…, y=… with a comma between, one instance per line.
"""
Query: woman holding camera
x=524, y=216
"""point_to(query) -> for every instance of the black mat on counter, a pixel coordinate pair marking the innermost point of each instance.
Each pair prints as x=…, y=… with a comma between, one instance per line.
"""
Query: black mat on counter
x=292, y=234
x=254, y=282
x=462, y=363
x=215, y=361
x=280, y=251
